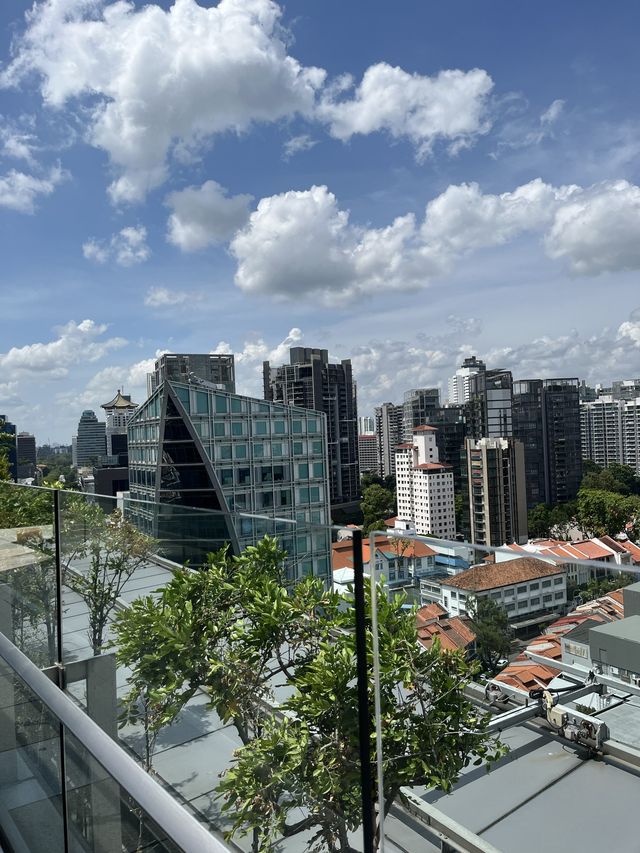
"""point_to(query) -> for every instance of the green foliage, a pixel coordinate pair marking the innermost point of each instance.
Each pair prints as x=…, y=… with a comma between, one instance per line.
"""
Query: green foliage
x=493, y=634
x=235, y=630
x=377, y=504
x=539, y=521
x=615, y=478
x=5, y=469
x=597, y=587
x=603, y=513
x=22, y=506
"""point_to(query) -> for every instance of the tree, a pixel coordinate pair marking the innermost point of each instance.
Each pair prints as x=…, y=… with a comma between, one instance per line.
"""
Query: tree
x=377, y=504
x=603, y=513
x=115, y=548
x=236, y=631
x=539, y=521
x=615, y=478
x=493, y=635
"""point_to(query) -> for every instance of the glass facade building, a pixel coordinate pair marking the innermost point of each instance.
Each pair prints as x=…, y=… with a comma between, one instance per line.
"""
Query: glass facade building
x=195, y=448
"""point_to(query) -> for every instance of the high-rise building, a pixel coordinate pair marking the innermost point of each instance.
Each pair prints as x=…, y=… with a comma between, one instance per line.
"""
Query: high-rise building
x=193, y=448
x=610, y=431
x=90, y=443
x=310, y=381
x=561, y=439
x=625, y=389
x=450, y=423
x=8, y=444
x=118, y=411
x=366, y=425
x=389, y=434
x=496, y=497
x=529, y=428
x=26, y=455
x=368, y=454
x=488, y=410
x=215, y=368
x=424, y=486
x=419, y=404
x=459, y=388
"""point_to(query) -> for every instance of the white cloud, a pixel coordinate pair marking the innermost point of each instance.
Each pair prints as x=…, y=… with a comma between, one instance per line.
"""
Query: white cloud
x=598, y=230
x=249, y=359
x=451, y=106
x=203, y=216
x=164, y=297
x=161, y=82
x=20, y=191
x=553, y=112
x=162, y=76
x=16, y=142
x=296, y=144
x=301, y=244
x=76, y=343
x=126, y=248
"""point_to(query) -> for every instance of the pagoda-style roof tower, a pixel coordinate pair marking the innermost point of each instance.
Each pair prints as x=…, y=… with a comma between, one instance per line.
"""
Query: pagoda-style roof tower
x=120, y=401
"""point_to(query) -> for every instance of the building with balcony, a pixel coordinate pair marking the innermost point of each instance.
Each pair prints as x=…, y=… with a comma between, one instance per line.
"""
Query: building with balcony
x=368, y=461
x=459, y=384
x=424, y=486
x=90, y=443
x=389, y=433
x=496, y=493
x=419, y=404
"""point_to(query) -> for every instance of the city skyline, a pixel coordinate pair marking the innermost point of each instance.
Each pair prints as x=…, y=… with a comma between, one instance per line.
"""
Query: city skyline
x=407, y=238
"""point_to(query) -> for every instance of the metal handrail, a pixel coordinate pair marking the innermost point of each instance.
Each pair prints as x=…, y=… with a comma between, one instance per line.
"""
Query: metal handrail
x=170, y=817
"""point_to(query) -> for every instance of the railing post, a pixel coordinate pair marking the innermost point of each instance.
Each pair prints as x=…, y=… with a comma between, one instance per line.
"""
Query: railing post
x=364, y=716
x=64, y=800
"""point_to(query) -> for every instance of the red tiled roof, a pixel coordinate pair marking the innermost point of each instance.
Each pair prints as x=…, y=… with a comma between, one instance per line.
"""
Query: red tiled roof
x=342, y=552
x=591, y=550
x=433, y=466
x=479, y=578
x=633, y=549
x=611, y=543
x=404, y=446
x=425, y=428
x=453, y=634
x=429, y=612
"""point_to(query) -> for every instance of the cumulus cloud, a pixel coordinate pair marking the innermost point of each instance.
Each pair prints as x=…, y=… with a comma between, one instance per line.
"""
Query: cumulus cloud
x=302, y=244
x=127, y=248
x=20, y=191
x=160, y=82
x=162, y=77
x=451, y=106
x=206, y=215
x=164, y=297
x=76, y=343
x=249, y=358
x=597, y=230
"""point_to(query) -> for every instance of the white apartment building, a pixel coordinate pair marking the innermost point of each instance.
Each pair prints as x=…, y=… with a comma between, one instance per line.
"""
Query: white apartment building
x=425, y=486
x=524, y=587
x=459, y=385
x=610, y=431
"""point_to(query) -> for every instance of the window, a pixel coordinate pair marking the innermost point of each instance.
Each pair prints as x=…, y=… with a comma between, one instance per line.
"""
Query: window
x=546, y=584
x=547, y=598
x=241, y=451
x=258, y=450
x=522, y=605
x=276, y=448
x=296, y=426
x=219, y=428
x=202, y=403
x=224, y=451
x=279, y=427
x=303, y=471
x=521, y=589
x=316, y=445
x=237, y=428
x=226, y=476
x=312, y=425
x=260, y=428
x=236, y=405
x=533, y=586
x=559, y=595
x=298, y=448
x=244, y=475
x=318, y=469
x=535, y=601
x=557, y=581
x=221, y=405
x=314, y=494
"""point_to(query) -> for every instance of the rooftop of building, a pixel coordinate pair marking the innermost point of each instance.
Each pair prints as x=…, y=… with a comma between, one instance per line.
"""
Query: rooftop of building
x=433, y=466
x=624, y=629
x=507, y=573
x=120, y=401
x=425, y=428
x=454, y=634
x=392, y=547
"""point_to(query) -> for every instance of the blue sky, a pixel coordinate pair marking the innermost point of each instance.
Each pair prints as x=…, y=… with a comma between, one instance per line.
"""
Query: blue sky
x=404, y=184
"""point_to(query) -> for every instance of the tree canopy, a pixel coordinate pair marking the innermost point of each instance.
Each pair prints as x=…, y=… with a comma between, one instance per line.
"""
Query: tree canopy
x=603, y=513
x=235, y=630
x=377, y=504
x=493, y=635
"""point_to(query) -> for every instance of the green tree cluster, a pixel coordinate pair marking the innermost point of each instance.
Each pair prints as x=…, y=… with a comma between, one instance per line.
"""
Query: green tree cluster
x=545, y=520
x=377, y=505
x=607, y=513
x=236, y=631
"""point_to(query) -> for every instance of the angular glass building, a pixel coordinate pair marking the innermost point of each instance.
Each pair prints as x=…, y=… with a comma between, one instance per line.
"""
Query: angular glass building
x=203, y=463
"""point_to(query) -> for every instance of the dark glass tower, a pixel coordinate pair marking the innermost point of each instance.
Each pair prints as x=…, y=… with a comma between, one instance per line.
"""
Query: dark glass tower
x=310, y=381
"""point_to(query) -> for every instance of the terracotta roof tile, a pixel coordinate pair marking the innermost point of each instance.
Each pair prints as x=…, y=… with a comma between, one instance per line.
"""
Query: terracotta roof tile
x=434, y=466
x=479, y=578
x=425, y=428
